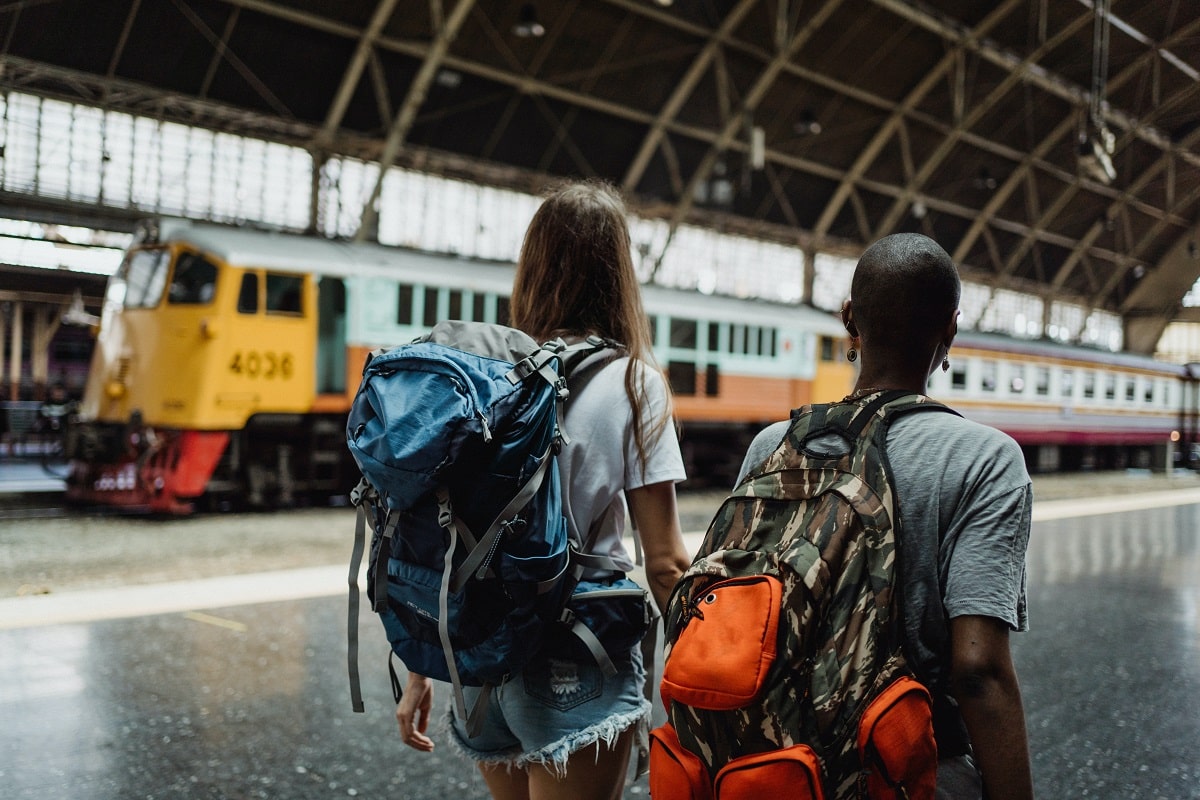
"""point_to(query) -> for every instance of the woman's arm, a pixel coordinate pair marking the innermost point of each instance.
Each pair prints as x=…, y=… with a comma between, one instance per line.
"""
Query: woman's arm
x=413, y=712
x=653, y=510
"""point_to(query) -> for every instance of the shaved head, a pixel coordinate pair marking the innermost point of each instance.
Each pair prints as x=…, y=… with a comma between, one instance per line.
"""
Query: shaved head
x=904, y=294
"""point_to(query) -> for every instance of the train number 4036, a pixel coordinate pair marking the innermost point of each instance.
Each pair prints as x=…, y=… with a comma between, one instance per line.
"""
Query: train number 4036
x=264, y=364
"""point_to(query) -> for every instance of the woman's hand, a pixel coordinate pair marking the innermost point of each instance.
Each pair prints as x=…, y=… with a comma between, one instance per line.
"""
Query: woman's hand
x=413, y=712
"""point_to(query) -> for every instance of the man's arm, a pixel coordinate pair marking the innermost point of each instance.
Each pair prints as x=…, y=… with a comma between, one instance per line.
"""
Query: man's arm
x=984, y=682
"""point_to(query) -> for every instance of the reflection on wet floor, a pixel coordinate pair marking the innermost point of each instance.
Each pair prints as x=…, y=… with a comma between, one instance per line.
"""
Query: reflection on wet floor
x=251, y=701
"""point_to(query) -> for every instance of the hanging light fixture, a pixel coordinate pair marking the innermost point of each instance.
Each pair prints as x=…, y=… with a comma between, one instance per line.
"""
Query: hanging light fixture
x=527, y=25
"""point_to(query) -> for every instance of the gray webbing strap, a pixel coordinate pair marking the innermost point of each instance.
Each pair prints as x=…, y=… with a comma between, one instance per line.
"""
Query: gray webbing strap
x=480, y=552
x=594, y=647
x=360, y=528
x=444, y=623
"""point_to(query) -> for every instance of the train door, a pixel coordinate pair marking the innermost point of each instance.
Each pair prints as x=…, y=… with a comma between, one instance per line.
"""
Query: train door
x=331, y=336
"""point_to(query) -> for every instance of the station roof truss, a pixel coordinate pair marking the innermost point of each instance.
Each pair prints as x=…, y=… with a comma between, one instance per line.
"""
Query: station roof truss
x=1051, y=146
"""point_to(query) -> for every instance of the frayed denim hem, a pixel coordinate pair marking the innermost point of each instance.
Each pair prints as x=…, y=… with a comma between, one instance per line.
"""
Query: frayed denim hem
x=554, y=756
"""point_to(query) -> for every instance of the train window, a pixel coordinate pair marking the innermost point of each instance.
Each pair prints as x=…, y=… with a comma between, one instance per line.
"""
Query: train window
x=248, y=294
x=503, y=317
x=456, y=304
x=750, y=341
x=714, y=337
x=683, y=333
x=194, y=282
x=987, y=379
x=1110, y=387
x=1066, y=384
x=404, y=309
x=145, y=275
x=767, y=342
x=682, y=377
x=430, y=315
x=284, y=293
x=652, y=321
x=737, y=338
x=827, y=349
x=1016, y=378
x=712, y=380
x=1130, y=390
x=479, y=307
x=958, y=376
x=1043, y=381
x=1148, y=391
x=1089, y=385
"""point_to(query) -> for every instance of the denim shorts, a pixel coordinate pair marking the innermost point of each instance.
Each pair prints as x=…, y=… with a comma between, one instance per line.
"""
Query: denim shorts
x=555, y=707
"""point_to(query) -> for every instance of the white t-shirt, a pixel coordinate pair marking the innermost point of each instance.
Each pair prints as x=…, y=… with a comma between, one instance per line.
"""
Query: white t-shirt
x=601, y=460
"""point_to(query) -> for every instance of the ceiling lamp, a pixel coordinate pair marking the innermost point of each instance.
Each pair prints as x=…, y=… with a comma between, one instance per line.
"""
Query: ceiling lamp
x=527, y=26
x=807, y=123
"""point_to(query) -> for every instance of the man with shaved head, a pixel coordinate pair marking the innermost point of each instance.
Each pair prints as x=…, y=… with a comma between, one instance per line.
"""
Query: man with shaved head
x=965, y=500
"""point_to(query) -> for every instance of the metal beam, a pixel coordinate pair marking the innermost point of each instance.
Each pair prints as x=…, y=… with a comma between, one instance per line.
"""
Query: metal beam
x=350, y=79
x=670, y=109
x=762, y=84
x=407, y=114
x=934, y=160
x=871, y=152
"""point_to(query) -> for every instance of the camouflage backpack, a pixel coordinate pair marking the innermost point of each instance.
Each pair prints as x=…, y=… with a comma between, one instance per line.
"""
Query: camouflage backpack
x=785, y=672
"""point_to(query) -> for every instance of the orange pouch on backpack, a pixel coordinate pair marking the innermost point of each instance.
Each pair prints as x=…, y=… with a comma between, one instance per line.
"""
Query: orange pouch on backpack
x=721, y=658
x=793, y=772
x=896, y=744
x=675, y=773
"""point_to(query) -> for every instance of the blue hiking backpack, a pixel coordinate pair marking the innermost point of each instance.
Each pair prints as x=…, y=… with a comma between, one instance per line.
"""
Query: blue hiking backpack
x=472, y=564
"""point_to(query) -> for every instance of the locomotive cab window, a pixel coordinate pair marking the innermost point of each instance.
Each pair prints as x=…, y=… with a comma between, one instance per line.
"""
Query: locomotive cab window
x=194, y=281
x=248, y=294
x=285, y=294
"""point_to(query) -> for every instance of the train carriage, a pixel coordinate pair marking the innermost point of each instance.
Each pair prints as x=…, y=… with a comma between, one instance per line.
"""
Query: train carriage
x=227, y=358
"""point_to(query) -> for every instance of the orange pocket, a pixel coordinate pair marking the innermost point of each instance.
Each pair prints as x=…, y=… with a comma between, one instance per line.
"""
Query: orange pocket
x=675, y=773
x=721, y=659
x=793, y=772
x=896, y=744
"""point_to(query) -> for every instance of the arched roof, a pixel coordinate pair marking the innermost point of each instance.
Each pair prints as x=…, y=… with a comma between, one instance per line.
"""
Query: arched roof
x=824, y=123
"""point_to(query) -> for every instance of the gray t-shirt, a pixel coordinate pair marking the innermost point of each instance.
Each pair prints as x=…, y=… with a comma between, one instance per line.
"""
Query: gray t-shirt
x=965, y=501
x=601, y=460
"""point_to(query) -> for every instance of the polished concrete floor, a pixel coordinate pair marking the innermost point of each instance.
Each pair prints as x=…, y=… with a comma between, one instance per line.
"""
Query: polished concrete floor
x=250, y=701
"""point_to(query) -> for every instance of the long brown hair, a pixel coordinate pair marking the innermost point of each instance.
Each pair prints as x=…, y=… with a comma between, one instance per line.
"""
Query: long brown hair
x=575, y=277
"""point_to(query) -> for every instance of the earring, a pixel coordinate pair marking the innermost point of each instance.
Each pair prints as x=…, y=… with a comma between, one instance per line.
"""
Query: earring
x=945, y=363
x=852, y=355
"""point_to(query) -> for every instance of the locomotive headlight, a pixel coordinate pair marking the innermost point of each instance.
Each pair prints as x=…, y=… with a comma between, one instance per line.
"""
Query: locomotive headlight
x=208, y=328
x=115, y=390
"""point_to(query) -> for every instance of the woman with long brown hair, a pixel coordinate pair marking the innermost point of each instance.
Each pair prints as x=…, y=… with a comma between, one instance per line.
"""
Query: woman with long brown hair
x=560, y=727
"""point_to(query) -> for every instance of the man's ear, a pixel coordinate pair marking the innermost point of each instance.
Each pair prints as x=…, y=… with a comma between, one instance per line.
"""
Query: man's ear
x=848, y=319
x=951, y=330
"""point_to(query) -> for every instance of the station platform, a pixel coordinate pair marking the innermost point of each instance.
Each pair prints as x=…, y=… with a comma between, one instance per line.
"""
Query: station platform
x=205, y=657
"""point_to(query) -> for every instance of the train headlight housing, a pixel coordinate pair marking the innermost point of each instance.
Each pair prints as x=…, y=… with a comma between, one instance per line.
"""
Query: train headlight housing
x=114, y=390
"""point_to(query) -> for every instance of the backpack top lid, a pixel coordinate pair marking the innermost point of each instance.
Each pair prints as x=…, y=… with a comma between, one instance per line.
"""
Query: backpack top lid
x=425, y=406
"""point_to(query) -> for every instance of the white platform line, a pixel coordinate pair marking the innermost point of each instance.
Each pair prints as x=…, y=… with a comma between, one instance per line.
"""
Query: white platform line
x=298, y=584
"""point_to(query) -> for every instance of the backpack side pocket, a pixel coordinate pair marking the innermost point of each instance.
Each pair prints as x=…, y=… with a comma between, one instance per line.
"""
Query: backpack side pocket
x=675, y=772
x=721, y=658
x=896, y=744
x=791, y=772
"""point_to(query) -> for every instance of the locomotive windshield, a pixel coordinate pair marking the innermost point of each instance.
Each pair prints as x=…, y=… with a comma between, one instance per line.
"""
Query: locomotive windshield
x=140, y=280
